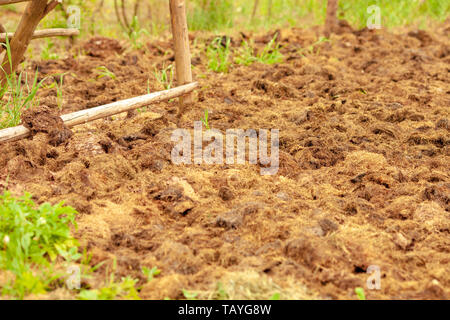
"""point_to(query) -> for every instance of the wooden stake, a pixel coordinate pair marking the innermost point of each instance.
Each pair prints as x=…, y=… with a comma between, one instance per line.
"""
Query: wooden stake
x=181, y=44
x=331, y=19
x=33, y=14
x=46, y=33
x=255, y=8
x=87, y=115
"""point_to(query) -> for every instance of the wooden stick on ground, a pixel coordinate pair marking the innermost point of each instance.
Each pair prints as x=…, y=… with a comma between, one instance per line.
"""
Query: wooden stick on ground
x=84, y=116
x=181, y=44
x=30, y=19
x=45, y=33
x=331, y=19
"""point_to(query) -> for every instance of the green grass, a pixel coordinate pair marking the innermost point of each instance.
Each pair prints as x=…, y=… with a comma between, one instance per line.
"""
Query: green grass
x=19, y=92
x=32, y=238
x=205, y=120
x=113, y=290
x=219, y=54
x=271, y=54
x=164, y=77
x=303, y=13
x=136, y=33
x=46, y=53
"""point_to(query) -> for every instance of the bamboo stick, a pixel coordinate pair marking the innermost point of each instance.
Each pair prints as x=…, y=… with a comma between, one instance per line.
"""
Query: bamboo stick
x=4, y=2
x=84, y=116
x=181, y=44
x=45, y=33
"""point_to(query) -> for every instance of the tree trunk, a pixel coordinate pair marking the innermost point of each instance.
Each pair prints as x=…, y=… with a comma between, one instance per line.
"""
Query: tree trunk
x=33, y=14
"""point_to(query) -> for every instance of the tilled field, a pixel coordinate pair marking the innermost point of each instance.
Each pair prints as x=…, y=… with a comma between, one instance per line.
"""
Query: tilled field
x=363, y=178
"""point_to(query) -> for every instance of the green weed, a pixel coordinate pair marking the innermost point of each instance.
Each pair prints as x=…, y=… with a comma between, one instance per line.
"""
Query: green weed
x=136, y=32
x=150, y=273
x=112, y=289
x=32, y=238
x=270, y=54
x=219, y=54
x=205, y=120
x=360, y=293
x=103, y=72
x=46, y=53
x=165, y=76
x=19, y=94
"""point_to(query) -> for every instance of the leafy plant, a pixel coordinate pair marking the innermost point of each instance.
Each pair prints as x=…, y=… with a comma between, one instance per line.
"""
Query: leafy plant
x=218, y=55
x=32, y=239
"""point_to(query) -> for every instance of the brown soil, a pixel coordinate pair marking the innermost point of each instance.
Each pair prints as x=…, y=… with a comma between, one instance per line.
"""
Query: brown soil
x=363, y=179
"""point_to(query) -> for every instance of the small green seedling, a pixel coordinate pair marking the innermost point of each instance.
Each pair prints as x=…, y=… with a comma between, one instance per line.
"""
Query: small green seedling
x=313, y=48
x=136, y=32
x=190, y=295
x=271, y=53
x=165, y=76
x=150, y=273
x=205, y=120
x=360, y=293
x=46, y=53
x=275, y=296
x=219, y=55
x=103, y=72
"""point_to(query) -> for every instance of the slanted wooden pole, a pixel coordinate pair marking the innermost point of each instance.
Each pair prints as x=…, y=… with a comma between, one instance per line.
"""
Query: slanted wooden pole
x=86, y=115
x=181, y=45
x=331, y=19
x=33, y=14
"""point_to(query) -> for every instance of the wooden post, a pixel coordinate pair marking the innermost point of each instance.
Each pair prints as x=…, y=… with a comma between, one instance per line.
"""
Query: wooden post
x=255, y=8
x=331, y=19
x=181, y=45
x=33, y=14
